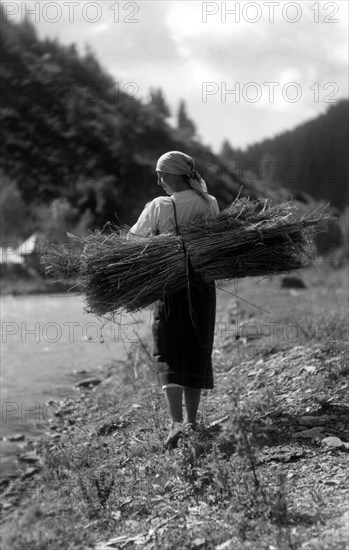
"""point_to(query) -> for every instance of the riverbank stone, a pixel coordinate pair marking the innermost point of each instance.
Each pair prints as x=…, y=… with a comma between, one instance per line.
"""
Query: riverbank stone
x=309, y=434
x=16, y=437
x=88, y=383
x=312, y=421
x=334, y=443
x=30, y=472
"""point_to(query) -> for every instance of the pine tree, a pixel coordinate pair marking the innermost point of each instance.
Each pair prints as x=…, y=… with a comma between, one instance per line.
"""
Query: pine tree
x=227, y=152
x=157, y=100
x=185, y=125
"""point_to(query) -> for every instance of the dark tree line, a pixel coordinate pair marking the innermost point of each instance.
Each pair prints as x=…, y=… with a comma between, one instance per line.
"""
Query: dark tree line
x=313, y=158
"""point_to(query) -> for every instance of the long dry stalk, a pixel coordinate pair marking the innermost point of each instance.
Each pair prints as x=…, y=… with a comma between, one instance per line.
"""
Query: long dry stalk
x=247, y=239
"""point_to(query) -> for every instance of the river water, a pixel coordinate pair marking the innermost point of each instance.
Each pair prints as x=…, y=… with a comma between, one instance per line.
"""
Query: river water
x=45, y=342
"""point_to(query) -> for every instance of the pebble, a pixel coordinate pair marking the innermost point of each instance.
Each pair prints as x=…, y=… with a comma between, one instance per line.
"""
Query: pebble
x=16, y=437
x=81, y=371
x=54, y=437
x=310, y=369
x=198, y=542
x=30, y=457
x=30, y=472
x=88, y=383
x=333, y=443
x=313, y=420
x=228, y=544
x=308, y=434
x=7, y=505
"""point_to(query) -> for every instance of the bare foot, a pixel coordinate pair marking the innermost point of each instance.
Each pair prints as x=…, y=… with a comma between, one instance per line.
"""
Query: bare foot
x=175, y=433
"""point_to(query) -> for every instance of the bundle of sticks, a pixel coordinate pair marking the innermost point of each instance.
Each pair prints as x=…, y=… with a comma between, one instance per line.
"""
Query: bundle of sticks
x=249, y=238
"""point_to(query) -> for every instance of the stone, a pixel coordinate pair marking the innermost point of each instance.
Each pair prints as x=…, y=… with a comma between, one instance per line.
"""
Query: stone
x=30, y=457
x=286, y=454
x=311, y=421
x=79, y=372
x=7, y=505
x=229, y=544
x=292, y=282
x=88, y=383
x=30, y=472
x=199, y=542
x=308, y=434
x=332, y=443
x=16, y=437
x=310, y=369
x=109, y=428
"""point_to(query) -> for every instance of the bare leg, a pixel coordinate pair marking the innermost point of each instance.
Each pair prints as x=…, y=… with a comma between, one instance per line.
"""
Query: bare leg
x=191, y=400
x=173, y=398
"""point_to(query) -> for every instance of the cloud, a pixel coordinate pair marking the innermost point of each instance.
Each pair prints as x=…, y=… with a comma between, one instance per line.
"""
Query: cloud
x=305, y=61
x=169, y=45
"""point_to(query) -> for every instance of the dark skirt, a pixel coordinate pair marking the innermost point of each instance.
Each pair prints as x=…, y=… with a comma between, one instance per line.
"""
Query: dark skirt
x=183, y=333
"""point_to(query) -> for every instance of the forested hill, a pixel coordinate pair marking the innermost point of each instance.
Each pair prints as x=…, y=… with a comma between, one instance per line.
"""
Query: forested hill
x=312, y=158
x=78, y=150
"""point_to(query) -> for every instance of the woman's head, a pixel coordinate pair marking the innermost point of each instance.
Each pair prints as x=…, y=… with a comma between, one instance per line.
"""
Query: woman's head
x=173, y=183
x=176, y=163
x=177, y=172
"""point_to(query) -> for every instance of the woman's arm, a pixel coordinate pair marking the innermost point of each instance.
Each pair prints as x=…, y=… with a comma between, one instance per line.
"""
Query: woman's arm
x=146, y=223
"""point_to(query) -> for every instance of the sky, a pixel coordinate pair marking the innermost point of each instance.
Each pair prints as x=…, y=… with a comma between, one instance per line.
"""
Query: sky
x=246, y=70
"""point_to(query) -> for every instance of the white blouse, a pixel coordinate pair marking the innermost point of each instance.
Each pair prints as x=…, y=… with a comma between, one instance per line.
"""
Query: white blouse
x=158, y=215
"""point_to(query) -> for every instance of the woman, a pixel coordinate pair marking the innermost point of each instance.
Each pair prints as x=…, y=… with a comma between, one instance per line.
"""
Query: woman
x=183, y=327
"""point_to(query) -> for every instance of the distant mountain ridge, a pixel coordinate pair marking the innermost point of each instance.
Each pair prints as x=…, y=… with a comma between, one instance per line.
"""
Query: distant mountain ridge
x=311, y=159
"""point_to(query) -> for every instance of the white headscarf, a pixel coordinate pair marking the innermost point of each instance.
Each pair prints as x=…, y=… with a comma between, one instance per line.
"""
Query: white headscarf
x=180, y=164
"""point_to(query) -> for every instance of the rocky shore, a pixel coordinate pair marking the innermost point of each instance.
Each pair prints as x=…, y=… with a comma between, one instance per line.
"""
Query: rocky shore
x=267, y=467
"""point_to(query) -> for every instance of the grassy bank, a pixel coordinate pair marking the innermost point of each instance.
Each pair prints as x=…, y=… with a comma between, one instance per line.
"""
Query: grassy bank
x=18, y=279
x=260, y=473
